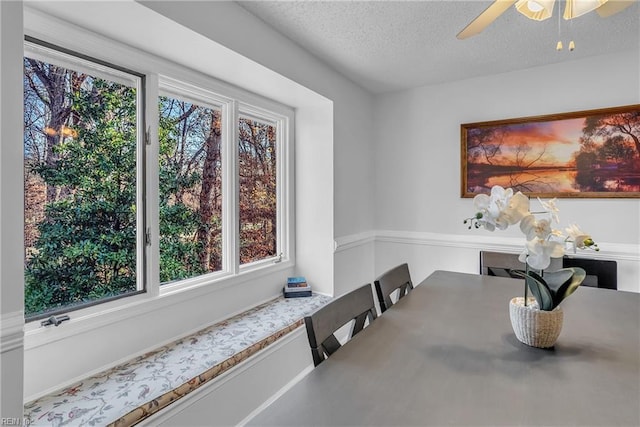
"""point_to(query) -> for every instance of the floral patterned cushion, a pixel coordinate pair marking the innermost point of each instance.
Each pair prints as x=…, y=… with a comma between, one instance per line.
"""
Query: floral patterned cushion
x=128, y=393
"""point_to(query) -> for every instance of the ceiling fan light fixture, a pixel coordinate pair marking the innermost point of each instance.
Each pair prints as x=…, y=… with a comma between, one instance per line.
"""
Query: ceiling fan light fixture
x=575, y=8
x=534, y=6
x=538, y=10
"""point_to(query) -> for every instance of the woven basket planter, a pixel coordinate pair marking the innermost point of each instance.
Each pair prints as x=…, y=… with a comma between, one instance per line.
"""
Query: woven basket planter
x=532, y=326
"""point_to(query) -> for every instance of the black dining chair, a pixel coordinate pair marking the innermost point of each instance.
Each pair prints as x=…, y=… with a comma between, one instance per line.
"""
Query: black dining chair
x=503, y=264
x=356, y=306
x=600, y=273
x=397, y=279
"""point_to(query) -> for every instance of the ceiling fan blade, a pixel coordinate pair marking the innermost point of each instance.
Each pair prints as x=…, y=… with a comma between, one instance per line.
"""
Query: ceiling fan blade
x=613, y=6
x=497, y=8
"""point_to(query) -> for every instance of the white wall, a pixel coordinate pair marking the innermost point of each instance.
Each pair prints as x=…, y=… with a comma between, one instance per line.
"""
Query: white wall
x=418, y=153
x=11, y=275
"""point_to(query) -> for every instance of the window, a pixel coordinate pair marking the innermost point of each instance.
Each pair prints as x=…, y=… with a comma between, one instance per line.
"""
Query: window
x=81, y=157
x=257, y=173
x=214, y=183
x=190, y=164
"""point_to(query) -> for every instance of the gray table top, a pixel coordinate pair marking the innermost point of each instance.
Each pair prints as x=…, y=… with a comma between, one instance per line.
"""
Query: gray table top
x=446, y=355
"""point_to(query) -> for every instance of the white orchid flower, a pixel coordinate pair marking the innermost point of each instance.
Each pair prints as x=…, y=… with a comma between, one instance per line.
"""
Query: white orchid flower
x=517, y=208
x=535, y=229
x=481, y=203
x=578, y=238
x=500, y=209
x=499, y=193
x=538, y=253
x=495, y=204
x=557, y=233
x=551, y=208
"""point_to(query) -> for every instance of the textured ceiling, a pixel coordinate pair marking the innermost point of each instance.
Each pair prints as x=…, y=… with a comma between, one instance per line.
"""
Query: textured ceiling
x=394, y=45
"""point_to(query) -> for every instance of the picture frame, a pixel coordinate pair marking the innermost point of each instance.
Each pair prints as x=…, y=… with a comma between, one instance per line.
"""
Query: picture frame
x=582, y=154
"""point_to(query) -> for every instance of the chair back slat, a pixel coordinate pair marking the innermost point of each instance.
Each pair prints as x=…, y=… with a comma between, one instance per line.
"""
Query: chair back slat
x=359, y=323
x=398, y=278
x=330, y=345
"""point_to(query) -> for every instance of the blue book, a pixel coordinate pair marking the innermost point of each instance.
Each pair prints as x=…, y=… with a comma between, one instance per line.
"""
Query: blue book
x=297, y=282
x=296, y=294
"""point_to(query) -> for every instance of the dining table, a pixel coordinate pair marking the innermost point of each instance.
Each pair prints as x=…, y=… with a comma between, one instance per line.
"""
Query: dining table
x=446, y=355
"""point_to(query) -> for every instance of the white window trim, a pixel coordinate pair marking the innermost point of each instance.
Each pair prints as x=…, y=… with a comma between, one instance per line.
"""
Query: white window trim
x=156, y=297
x=284, y=170
x=64, y=59
x=206, y=98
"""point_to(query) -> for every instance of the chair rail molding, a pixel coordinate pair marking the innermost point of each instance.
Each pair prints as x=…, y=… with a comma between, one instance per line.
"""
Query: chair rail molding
x=11, y=331
x=617, y=251
x=351, y=241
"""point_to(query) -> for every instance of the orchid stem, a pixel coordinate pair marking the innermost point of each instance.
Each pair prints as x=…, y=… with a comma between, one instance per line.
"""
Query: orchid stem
x=526, y=288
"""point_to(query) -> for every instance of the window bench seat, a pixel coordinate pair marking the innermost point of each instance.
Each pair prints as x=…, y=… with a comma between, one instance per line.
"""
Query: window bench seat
x=128, y=393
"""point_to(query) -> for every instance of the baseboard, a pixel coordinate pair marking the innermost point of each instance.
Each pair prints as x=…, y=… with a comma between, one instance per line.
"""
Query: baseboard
x=277, y=395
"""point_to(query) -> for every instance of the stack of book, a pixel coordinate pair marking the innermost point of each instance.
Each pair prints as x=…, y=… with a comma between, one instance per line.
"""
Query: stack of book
x=296, y=287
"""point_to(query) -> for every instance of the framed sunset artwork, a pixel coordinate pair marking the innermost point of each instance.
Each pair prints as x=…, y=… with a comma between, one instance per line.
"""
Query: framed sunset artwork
x=593, y=153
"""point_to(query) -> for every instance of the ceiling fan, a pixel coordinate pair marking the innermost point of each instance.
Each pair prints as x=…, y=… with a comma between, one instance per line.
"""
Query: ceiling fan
x=542, y=9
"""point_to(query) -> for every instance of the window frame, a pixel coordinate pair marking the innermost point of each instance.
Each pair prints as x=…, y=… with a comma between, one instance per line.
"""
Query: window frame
x=237, y=103
x=51, y=53
x=281, y=123
x=186, y=92
x=163, y=76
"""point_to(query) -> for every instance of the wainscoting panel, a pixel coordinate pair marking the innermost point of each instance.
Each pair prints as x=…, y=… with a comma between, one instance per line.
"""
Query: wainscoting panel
x=11, y=365
x=11, y=331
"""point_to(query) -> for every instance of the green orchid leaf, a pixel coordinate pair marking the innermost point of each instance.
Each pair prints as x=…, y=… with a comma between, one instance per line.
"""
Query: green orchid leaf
x=540, y=291
x=556, y=279
x=570, y=286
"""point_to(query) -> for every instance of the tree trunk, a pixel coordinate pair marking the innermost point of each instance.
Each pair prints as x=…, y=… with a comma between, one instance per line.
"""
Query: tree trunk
x=55, y=81
x=207, y=201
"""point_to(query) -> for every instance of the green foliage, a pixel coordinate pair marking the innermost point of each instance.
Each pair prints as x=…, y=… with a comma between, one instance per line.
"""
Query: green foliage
x=550, y=290
x=180, y=181
x=86, y=248
x=178, y=247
